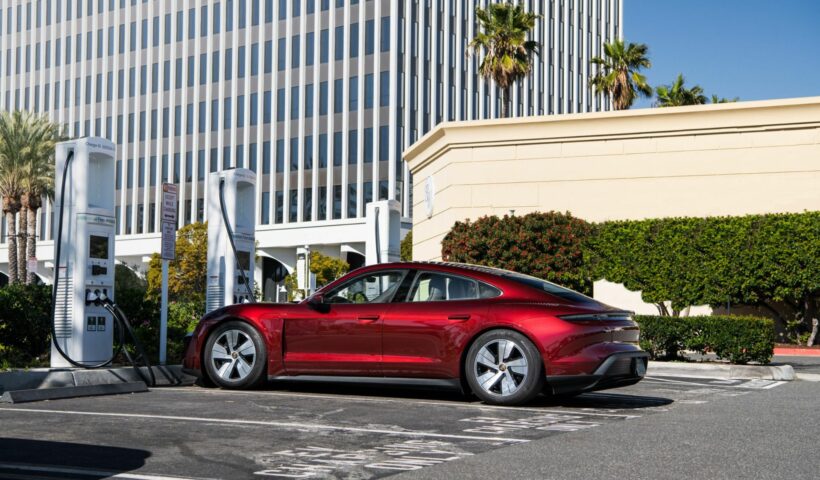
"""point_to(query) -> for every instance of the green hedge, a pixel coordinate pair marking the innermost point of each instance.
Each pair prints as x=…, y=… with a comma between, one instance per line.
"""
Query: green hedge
x=25, y=323
x=739, y=339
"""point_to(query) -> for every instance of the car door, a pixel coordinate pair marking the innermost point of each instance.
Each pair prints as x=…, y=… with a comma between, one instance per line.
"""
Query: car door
x=423, y=334
x=343, y=335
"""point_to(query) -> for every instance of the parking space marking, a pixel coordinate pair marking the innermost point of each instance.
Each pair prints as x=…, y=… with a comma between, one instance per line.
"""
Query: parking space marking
x=286, y=425
x=87, y=472
x=333, y=396
x=753, y=384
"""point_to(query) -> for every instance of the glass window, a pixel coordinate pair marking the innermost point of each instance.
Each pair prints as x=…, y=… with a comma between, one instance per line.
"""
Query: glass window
x=385, y=34
x=266, y=107
x=338, y=85
x=322, y=150
x=372, y=288
x=203, y=68
x=308, y=152
x=339, y=47
x=216, y=18
x=191, y=23
x=229, y=15
x=167, y=29
x=369, y=36
x=266, y=157
x=228, y=63
x=227, y=114
x=294, y=153
x=268, y=56
x=353, y=95
x=309, y=51
x=189, y=119
x=436, y=287
x=243, y=14
x=384, y=89
x=200, y=165
x=280, y=52
x=354, y=40
x=368, y=145
x=215, y=68
x=240, y=62
x=254, y=108
x=179, y=76
x=337, y=149
x=191, y=71
x=384, y=144
x=280, y=105
x=294, y=50
x=180, y=25
x=294, y=103
x=280, y=155
x=352, y=146
x=202, y=117
x=323, y=48
x=323, y=98
x=203, y=21
x=240, y=111
x=368, y=90
x=144, y=31
x=309, y=100
x=255, y=59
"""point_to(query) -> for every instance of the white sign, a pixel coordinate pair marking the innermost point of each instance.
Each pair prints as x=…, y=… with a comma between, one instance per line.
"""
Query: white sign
x=169, y=240
x=170, y=192
x=429, y=195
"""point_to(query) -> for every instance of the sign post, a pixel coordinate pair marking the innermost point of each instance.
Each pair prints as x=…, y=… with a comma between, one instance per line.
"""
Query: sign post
x=168, y=225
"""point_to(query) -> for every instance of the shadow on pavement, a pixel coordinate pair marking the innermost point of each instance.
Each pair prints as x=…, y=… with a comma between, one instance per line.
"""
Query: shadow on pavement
x=608, y=399
x=25, y=458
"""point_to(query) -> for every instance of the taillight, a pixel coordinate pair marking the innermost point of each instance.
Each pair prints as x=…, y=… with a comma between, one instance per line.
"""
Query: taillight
x=597, y=317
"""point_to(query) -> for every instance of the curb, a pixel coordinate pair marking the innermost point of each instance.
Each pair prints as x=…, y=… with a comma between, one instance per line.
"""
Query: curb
x=44, y=378
x=797, y=352
x=721, y=371
x=808, y=377
x=40, y=394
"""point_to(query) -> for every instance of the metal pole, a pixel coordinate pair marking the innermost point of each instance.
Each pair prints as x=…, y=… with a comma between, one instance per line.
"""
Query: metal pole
x=163, y=322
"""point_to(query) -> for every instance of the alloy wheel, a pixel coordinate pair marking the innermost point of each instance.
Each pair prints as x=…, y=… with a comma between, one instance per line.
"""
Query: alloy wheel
x=501, y=367
x=233, y=355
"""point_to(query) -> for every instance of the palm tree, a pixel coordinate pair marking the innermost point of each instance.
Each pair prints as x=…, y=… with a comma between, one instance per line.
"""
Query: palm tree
x=26, y=174
x=11, y=183
x=508, y=54
x=38, y=178
x=717, y=99
x=618, y=73
x=677, y=95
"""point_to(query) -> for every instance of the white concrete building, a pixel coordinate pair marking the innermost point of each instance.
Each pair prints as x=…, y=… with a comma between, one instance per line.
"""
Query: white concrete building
x=319, y=97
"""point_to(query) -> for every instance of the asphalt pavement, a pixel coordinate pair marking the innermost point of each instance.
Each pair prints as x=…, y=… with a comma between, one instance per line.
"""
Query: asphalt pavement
x=659, y=428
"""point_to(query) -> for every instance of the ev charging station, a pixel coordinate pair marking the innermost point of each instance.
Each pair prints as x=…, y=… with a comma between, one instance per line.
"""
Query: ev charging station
x=231, y=237
x=82, y=329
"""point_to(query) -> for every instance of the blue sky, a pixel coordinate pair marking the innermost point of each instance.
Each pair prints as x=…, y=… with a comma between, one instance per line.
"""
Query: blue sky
x=752, y=49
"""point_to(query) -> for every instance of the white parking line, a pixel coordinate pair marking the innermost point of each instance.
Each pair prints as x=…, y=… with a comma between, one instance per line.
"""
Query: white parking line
x=333, y=396
x=755, y=384
x=87, y=472
x=287, y=425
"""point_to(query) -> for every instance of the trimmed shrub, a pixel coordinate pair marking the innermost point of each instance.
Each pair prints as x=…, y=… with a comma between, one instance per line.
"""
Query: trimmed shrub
x=738, y=339
x=25, y=324
x=544, y=245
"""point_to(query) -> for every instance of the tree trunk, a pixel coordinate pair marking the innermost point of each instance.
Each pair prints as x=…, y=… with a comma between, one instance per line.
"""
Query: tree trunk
x=505, y=102
x=31, y=244
x=813, y=336
x=11, y=236
x=22, y=268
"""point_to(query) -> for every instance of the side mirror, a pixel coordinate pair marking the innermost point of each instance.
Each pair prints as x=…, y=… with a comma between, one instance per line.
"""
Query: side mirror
x=317, y=302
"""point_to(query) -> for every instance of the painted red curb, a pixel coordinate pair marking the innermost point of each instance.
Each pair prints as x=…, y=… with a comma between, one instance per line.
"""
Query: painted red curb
x=797, y=352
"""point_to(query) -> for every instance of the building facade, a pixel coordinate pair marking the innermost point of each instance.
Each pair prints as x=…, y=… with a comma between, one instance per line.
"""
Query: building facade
x=318, y=97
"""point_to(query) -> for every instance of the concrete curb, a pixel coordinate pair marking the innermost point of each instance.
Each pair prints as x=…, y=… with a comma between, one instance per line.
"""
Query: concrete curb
x=808, y=377
x=40, y=394
x=720, y=371
x=45, y=378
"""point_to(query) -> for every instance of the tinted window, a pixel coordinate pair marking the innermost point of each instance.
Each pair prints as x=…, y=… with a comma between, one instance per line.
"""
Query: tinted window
x=374, y=288
x=548, y=287
x=436, y=287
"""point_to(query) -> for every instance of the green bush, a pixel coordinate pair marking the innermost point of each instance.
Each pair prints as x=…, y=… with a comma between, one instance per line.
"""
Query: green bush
x=25, y=325
x=738, y=339
x=544, y=245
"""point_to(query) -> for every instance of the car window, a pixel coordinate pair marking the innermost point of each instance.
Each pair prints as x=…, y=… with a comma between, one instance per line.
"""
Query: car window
x=373, y=288
x=436, y=287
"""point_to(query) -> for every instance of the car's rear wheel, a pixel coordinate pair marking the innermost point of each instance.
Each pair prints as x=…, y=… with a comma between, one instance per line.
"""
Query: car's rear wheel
x=504, y=368
x=235, y=356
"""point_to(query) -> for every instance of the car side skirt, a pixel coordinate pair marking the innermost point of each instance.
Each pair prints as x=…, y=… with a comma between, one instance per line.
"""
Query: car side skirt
x=448, y=383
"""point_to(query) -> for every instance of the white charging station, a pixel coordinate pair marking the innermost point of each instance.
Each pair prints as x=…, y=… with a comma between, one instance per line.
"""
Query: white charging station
x=383, y=243
x=227, y=273
x=85, y=332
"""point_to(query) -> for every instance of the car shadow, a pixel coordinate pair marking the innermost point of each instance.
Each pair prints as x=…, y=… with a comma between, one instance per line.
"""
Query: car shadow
x=608, y=400
x=25, y=458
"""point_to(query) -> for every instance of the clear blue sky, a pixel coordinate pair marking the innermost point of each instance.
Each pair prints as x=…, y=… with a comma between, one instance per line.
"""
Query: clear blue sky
x=752, y=49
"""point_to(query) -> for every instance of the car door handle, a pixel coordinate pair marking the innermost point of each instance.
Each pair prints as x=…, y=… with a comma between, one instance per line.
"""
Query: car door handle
x=460, y=316
x=368, y=318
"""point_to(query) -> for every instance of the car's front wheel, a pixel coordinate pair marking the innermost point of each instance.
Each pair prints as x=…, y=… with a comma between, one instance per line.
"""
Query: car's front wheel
x=235, y=356
x=504, y=368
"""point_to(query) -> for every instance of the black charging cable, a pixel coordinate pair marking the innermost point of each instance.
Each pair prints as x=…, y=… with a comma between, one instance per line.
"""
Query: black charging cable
x=251, y=296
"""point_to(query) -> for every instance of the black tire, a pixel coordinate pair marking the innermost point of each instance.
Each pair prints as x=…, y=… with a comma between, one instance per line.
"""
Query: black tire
x=233, y=372
x=528, y=379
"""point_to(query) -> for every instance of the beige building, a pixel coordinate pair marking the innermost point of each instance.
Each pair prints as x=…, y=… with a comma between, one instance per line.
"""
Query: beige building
x=726, y=159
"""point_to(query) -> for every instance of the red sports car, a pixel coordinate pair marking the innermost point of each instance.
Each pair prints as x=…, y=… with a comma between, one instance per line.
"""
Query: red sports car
x=501, y=335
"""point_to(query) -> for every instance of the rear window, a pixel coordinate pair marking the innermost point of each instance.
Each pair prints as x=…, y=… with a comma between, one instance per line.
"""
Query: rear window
x=549, y=287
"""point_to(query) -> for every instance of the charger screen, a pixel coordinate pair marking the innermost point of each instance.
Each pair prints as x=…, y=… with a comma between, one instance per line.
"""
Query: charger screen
x=98, y=247
x=243, y=259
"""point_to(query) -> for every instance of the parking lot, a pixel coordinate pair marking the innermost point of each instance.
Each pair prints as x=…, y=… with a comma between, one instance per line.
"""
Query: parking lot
x=311, y=430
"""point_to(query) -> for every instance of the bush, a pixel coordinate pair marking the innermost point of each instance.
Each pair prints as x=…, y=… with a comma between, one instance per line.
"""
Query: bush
x=738, y=339
x=544, y=245
x=25, y=325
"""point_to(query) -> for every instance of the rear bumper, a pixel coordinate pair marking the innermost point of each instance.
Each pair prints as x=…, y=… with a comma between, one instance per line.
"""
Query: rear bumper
x=617, y=370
